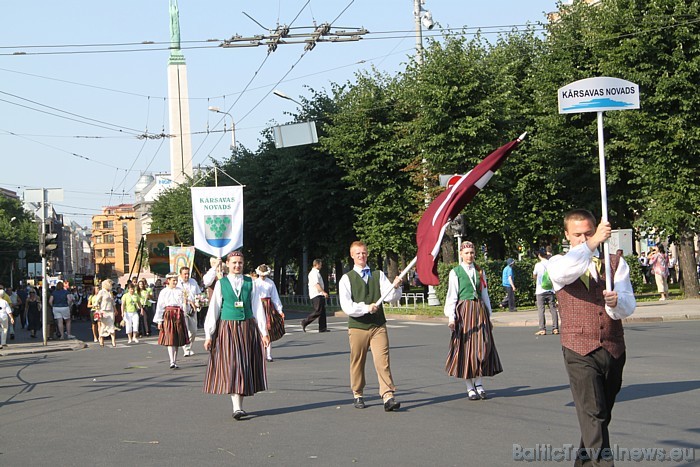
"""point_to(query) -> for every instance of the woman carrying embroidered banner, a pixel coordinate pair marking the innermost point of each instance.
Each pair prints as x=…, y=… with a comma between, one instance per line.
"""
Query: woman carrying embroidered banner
x=170, y=317
x=272, y=305
x=468, y=307
x=235, y=333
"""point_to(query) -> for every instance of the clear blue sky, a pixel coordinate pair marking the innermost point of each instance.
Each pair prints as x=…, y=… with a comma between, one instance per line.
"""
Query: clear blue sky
x=125, y=85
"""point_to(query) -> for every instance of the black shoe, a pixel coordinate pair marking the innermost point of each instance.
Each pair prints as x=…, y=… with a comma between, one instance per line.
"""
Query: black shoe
x=390, y=405
x=324, y=330
x=238, y=414
x=303, y=326
x=359, y=403
x=482, y=394
x=12, y=337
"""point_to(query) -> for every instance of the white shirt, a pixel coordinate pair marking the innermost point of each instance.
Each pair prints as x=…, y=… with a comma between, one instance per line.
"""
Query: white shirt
x=167, y=297
x=566, y=269
x=5, y=309
x=266, y=288
x=357, y=309
x=452, y=297
x=217, y=299
x=210, y=277
x=191, y=288
x=315, y=278
x=540, y=269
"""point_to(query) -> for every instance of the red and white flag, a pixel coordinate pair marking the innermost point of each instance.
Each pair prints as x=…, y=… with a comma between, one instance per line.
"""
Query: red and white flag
x=449, y=204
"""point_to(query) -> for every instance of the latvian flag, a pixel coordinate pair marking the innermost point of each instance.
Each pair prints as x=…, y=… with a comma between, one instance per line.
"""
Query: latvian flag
x=449, y=204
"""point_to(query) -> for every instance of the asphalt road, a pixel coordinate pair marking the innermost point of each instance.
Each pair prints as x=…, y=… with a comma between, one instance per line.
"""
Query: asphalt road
x=124, y=406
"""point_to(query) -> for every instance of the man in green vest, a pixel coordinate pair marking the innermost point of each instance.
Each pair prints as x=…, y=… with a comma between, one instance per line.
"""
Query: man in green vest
x=359, y=290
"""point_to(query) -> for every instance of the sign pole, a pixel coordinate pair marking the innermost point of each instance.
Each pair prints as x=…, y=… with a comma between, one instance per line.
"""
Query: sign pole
x=604, y=198
x=597, y=95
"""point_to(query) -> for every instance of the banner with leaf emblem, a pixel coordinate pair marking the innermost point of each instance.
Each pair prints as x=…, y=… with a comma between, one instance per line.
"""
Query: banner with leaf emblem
x=158, y=253
x=217, y=218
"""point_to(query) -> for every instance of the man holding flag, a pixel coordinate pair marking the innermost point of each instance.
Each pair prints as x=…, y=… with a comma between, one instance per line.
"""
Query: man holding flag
x=360, y=290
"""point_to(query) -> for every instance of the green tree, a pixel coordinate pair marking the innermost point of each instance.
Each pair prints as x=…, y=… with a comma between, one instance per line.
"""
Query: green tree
x=651, y=153
x=172, y=211
x=18, y=231
x=363, y=136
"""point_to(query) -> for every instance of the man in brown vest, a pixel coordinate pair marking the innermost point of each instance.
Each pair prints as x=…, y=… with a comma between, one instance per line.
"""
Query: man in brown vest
x=592, y=337
x=359, y=289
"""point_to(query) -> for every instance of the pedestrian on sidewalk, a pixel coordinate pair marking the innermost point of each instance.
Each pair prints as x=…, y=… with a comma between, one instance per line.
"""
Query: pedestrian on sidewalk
x=592, y=337
x=145, y=293
x=170, y=317
x=106, y=309
x=508, y=286
x=318, y=296
x=544, y=294
x=61, y=301
x=473, y=353
x=359, y=289
x=32, y=310
x=6, y=319
x=235, y=332
x=658, y=262
x=272, y=304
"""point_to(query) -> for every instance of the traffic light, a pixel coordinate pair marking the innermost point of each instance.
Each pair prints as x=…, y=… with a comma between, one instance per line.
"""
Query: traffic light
x=49, y=242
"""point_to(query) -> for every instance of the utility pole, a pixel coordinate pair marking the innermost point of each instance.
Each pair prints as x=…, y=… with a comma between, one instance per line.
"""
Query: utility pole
x=46, y=243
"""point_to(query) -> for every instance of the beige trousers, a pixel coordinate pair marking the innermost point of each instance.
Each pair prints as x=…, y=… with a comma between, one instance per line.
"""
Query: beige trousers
x=360, y=342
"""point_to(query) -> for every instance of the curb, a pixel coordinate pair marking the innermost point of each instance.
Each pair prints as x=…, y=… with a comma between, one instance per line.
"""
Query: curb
x=30, y=349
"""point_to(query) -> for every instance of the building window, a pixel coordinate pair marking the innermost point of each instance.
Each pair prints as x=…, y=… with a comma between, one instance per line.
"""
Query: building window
x=109, y=238
x=107, y=224
x=109, y=253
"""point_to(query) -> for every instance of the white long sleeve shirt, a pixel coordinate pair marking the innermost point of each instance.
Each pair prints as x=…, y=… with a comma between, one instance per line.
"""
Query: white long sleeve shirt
x=168, y=297
x=266, y=288
x=565, y=269
x=452, y=297
x=210, y=277
x=191, y=288
x=357, y=309
x=216, y=302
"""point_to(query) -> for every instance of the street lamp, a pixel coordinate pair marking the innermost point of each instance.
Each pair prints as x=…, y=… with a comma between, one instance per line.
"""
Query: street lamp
x=233, y=125
x=279, y=93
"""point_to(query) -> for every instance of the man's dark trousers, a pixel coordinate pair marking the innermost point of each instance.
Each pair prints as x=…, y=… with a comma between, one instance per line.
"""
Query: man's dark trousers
x=595, y=380
x=319, y=304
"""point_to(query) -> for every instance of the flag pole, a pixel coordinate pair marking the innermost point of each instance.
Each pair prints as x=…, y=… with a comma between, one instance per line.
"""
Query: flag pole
x=401, y=276
x=603, y=198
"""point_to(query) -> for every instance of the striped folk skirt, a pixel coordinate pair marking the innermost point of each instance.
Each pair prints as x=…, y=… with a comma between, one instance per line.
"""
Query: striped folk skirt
x=237, y=360
x=174, y=328
x=275, y=321
x=472, y=349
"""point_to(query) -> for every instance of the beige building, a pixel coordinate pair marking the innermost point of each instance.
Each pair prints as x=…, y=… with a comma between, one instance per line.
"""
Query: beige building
x=115, y=238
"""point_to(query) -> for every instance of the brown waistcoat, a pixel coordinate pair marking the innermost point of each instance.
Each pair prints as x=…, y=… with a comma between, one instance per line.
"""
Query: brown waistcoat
x=585, y=326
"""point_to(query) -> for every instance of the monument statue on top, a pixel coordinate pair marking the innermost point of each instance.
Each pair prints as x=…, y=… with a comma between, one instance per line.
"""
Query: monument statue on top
x=175, y=54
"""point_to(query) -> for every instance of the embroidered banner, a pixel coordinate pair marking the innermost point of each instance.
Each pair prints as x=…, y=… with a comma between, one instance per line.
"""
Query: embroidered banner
x=181, y=256
x=158, y=257
x=217, y=218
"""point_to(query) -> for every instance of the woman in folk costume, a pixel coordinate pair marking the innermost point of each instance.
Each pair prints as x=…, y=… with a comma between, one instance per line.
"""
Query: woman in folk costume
x=170, y=317
x=235, y=333
x=468, y=307
x=104, y=304
x=272, y=305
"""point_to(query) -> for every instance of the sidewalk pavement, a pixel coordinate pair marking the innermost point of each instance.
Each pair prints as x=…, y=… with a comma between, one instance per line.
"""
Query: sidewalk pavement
x=646, y=312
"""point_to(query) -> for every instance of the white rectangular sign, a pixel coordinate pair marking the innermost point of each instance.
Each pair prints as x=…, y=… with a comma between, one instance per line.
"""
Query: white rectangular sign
x=217, y=218
x=295, y=134
x=598, y=94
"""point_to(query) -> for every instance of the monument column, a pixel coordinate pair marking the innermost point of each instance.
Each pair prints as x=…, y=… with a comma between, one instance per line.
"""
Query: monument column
x=178, y=104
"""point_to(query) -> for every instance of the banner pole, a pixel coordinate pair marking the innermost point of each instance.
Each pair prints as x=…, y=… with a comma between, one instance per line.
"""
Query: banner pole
x=603, y=198
x=401, y=276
